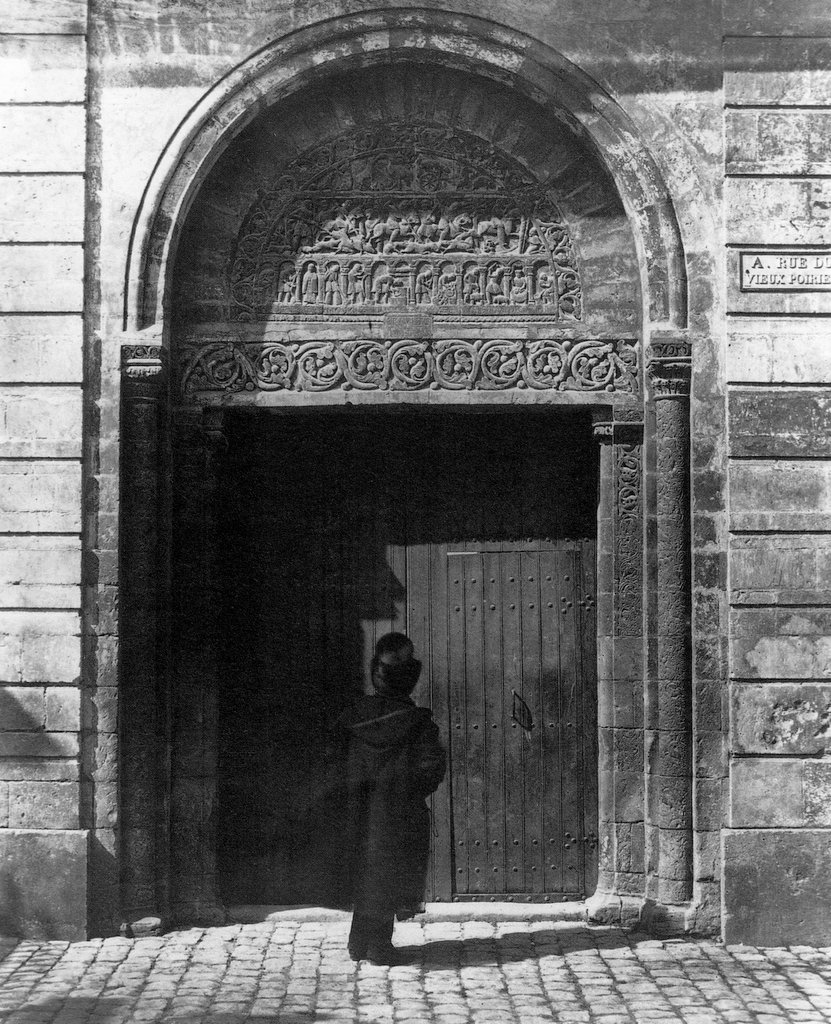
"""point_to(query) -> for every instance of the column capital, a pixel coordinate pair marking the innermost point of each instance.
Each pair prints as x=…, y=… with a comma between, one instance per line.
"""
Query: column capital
x=669, y=365
x=143, y=363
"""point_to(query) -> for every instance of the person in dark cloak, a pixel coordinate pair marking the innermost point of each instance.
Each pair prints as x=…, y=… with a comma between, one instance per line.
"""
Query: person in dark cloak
x=394, y=761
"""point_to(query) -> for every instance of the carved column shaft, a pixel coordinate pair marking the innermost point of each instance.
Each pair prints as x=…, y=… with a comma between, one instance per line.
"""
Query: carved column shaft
x=142, y=392
x=671, y=759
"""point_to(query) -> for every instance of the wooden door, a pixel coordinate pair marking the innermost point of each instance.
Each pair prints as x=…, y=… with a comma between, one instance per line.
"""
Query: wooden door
x=519, y=630
x=473, y=534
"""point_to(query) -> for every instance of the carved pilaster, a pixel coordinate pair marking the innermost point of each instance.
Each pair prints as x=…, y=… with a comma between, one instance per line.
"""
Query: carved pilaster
x=620, y=639
x=669, y=371
x=143, y=380
x=200, y=444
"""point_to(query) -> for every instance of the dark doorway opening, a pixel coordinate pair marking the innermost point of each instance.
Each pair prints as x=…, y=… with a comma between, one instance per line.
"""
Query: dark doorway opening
x=474, y=533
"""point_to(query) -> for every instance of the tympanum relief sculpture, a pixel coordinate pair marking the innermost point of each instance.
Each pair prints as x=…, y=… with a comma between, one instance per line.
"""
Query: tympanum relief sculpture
x=404, y=216
x=400, y=218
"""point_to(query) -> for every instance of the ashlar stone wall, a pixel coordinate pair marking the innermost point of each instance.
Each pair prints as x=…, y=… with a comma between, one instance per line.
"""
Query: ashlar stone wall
x=777, y=850
x=43, y=67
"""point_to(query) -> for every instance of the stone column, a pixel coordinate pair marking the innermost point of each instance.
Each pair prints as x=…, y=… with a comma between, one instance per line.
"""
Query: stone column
x=670, y=746
x=140, y=756
x=603, y=433
x=198, y=448
x=619, y=896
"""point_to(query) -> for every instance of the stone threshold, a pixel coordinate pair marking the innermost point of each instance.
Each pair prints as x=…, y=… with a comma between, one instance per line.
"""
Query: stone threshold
x=434, y=913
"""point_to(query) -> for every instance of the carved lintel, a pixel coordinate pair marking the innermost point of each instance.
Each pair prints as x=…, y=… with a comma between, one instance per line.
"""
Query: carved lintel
x=591, y=365
x=669, y=365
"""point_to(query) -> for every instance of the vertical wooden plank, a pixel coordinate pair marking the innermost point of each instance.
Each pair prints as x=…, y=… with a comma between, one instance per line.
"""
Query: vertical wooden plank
x=475, y=739
x=437, y=477
x=459, y=718
x=588, y=729
x=550, y=723
x=529, y=567
x=514, y=739
x=495, y=723
x=444, y=880
x=570, y=722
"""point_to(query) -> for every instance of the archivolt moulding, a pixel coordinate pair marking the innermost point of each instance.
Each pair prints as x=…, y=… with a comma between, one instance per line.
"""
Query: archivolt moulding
x=477, y=45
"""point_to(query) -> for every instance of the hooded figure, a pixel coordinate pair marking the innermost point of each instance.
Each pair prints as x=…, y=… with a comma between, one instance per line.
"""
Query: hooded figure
x=394, y=760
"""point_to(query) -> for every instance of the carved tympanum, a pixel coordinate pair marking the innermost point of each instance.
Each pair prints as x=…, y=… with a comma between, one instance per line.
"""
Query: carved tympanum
x=404, y=215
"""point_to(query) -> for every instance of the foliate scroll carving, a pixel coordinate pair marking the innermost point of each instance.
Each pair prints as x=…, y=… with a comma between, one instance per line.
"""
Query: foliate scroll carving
x=481, y=365
x=404, y=215
x=628, y=615
x=629, y=474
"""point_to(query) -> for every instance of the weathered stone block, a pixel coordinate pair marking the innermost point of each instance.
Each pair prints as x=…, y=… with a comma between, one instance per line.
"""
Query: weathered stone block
x=816, y=792
x=41, y=422
x=40, y=647
x=38, y=744
x=40, y=571
x=33, y=16
x=22, y=707
x=41, y=279
x=765, y=792
x=40, y=497
x=42, y=208
x=47, y=805
x=44, y=877
x=794, y=570
x=781, y=718
x=787, y=644
x=779, y=353
x=41, y=349
x=770, y=18
x=28, y=769
x=775, y=887
x=767, y=72
x=63, y=709
x=780, y=494
x=781, y=423
x=777, y=211
x=708, y=796
x=42, y=69
x=778, y=142
x=43, y=139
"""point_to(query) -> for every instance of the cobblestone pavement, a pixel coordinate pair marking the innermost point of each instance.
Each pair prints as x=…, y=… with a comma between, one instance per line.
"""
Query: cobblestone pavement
x=460, y=973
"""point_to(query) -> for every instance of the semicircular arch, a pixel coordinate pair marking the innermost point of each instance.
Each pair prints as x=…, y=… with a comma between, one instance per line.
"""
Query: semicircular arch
x=466, y=43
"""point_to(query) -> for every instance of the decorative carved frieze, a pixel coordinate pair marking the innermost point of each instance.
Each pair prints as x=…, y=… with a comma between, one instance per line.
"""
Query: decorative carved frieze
x=404, y=215
x=479, y=365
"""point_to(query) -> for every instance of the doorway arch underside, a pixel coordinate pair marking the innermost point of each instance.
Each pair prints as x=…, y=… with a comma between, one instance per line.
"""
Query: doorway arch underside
x=394, y=238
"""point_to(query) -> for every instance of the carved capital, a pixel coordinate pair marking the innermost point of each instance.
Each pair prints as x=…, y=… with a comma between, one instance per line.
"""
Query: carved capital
x=669, y=366
x=143, y=364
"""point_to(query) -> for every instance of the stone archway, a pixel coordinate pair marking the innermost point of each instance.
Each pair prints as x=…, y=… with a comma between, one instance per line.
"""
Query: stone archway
x=588, y=352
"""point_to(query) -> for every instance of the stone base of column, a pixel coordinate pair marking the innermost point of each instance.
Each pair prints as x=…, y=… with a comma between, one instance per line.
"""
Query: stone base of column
x=143, y=927
x=199, y=914
x=666, y=920
x=610, y=908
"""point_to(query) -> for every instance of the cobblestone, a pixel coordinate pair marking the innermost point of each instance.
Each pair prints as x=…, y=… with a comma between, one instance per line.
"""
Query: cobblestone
x=528, y=972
